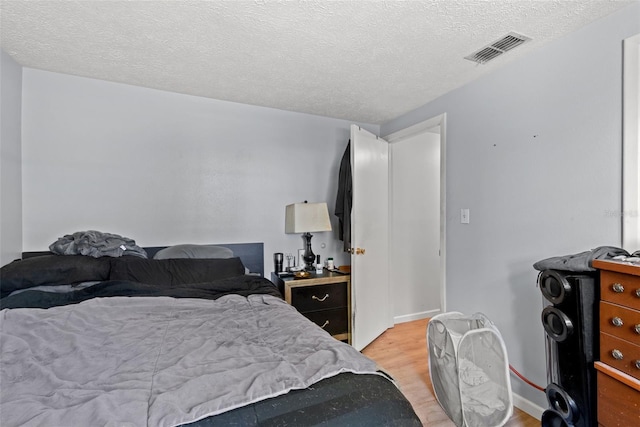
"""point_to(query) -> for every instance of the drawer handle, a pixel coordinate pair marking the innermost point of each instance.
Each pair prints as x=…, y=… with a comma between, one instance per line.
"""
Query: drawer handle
x=617, y=354
x=326, y=322
x=617, y=288
x=637, y=363
x=320, y=299
x=637, y=328
x=617, y=322
x=638, y=293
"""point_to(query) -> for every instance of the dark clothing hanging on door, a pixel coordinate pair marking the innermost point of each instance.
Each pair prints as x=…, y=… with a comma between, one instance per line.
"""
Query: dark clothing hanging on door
x=344, y=198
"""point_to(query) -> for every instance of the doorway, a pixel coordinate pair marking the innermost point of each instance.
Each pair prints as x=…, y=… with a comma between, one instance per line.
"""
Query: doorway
x=417, y=220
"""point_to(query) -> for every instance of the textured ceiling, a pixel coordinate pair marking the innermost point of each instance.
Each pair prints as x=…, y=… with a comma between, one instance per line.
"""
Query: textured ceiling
x=367, y=61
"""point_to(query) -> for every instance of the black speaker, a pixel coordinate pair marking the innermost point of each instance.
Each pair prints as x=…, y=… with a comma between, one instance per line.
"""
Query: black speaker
x=570, y=320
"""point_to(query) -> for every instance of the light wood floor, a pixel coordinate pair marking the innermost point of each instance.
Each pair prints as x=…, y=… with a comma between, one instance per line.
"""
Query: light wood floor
x=402, y=352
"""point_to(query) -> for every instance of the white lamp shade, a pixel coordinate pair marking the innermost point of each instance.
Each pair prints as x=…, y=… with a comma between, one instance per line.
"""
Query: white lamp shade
x=307, y=218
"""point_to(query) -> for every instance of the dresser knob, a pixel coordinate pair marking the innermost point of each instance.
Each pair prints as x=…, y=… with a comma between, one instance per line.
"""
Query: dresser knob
x=637, y=328
x=638, y=293
x=637, y=363
x=617, y=354
x=618, y=288
x=617, y=322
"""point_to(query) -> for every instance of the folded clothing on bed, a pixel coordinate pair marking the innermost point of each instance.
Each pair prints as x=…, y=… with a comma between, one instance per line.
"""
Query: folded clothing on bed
x=96, y=244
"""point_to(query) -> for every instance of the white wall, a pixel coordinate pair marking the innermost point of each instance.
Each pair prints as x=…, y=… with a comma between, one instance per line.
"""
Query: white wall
x=165, y=168
x=10, y=159
x=415, y=226
x=534, y=151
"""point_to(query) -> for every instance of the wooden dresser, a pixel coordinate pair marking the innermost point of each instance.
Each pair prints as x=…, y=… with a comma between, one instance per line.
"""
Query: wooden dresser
x=618, y=371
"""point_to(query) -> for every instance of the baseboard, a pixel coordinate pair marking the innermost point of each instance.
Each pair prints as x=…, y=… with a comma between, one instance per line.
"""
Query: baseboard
x=415, y=316
x=527, y=406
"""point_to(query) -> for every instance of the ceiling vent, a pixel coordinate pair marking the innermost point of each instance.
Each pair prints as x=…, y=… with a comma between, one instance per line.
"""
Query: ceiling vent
x=497, y=48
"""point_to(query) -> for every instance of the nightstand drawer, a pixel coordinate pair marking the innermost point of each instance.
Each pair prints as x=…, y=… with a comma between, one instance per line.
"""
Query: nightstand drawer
x=334, y=321
x=619, y=288
x=620, y=321
x=620, y=354
x=319, y=297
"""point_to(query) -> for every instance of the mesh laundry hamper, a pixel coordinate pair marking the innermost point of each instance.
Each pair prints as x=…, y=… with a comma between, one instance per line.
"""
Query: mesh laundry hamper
x=469, y=369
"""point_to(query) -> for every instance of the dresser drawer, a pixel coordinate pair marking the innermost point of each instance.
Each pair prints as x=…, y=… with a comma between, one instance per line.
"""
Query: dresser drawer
x=335, y=321
x=618, y=404
x=619, y=288
x=629, y=354
x=620, y=321
x=319, y=297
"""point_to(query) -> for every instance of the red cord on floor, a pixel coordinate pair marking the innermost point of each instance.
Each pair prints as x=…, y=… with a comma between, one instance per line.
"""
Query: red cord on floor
x=525, y=380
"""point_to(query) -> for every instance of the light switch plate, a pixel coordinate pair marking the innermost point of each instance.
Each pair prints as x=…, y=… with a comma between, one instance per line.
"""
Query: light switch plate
x=464, y=216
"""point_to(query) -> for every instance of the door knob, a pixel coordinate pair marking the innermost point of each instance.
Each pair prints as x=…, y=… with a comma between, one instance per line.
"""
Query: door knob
x=359, y=251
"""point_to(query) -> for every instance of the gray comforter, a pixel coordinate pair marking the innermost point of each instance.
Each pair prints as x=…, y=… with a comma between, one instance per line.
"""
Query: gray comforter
x=158, y=361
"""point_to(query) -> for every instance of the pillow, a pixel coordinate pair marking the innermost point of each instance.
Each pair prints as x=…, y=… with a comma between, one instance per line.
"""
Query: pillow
x=169, y=272
x=193, y=251
x=205, y=270
x=141, y=270
x=52, y=270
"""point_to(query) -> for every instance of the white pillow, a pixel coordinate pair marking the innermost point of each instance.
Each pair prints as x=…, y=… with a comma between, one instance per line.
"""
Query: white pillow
x=194, y=251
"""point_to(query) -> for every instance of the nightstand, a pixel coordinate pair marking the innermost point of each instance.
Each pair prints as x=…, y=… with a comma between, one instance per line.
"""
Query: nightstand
x=325, y=299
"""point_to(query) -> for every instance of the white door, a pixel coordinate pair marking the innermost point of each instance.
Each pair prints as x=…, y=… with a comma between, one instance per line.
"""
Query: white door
x=370, y=293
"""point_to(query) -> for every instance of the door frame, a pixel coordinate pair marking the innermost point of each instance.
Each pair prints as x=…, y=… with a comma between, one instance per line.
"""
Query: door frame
x=631, y=144
x=418, y=128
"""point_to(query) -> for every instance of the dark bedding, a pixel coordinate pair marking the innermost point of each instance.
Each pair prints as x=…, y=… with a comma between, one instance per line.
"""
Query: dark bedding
x=52, y=270
x=344, y=400
x=240, y=285
x=363, y=399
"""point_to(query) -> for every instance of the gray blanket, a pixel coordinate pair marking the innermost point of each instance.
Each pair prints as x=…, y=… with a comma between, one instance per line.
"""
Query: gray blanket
x=96, y=244
x=158, y=361
x=580, y=262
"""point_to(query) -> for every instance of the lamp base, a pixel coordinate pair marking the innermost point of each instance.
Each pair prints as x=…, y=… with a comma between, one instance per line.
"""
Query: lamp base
x=308, y=256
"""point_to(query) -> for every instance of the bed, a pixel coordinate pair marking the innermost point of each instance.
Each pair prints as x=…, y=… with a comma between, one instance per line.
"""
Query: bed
x=183, y=337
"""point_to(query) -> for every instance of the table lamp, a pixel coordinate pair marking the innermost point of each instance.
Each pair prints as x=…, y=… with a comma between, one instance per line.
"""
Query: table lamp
x=307, y=218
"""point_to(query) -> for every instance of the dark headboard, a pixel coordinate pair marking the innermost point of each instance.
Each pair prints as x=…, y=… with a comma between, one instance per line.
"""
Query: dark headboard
x=251, y=254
